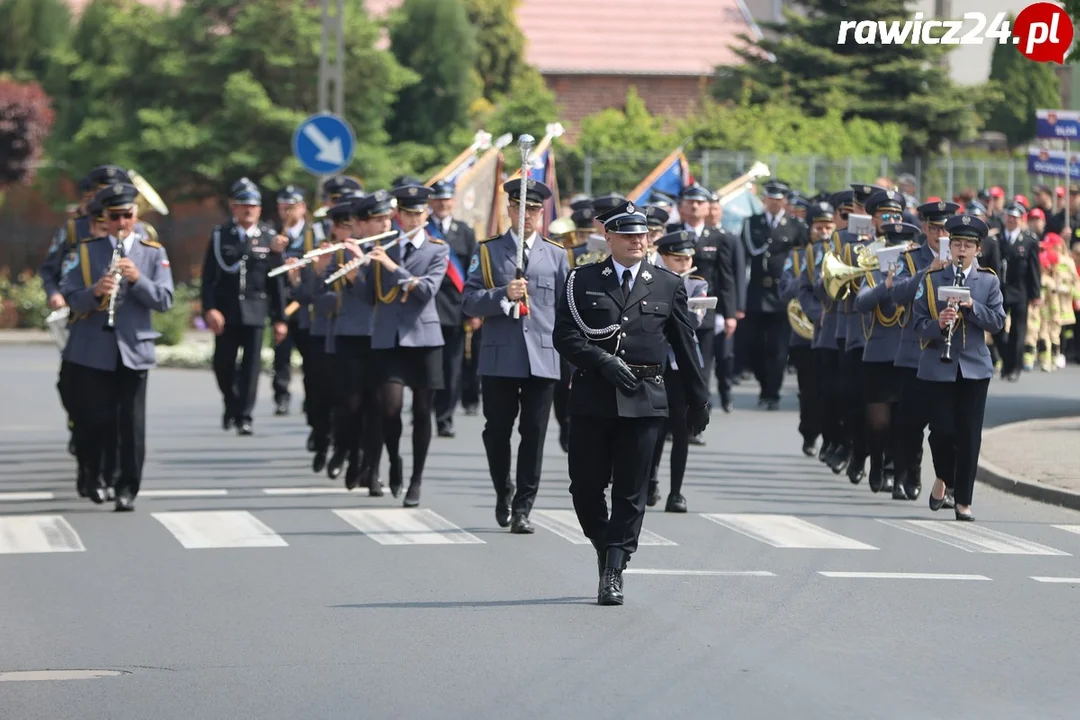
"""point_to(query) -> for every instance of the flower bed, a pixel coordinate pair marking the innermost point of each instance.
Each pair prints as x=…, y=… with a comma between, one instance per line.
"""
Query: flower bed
x=199, y=355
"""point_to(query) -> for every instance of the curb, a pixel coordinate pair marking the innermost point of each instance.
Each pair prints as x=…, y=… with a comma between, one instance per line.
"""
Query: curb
x=999, y=478
x=24, y=338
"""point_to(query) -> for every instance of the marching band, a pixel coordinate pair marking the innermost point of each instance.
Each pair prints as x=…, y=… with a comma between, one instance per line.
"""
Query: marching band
x=618, y=321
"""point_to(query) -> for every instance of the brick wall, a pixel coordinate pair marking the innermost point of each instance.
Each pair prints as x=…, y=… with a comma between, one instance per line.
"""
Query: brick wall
x=581, y=95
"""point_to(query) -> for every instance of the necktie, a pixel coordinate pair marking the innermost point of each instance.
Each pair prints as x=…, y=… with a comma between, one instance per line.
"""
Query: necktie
x=409, y=247
x=525, y=257
x=627, y=276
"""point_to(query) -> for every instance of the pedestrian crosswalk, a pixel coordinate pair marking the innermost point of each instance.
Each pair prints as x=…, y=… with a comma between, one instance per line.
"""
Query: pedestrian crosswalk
x=22, y=534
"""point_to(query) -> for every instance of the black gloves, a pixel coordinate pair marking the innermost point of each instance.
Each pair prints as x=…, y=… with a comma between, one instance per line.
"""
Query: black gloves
x=697, y=419
x=616, y=372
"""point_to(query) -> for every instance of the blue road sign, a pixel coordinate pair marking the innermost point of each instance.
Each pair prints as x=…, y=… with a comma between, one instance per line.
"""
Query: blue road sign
x=1057, y=124
x=324, y=144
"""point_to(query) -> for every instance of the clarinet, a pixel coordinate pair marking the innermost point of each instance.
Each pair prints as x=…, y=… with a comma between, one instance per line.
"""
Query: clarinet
x=946, y=352
x=110, y=323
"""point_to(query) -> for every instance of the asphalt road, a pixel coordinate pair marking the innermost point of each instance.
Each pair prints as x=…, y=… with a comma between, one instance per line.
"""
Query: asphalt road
x=802, y=596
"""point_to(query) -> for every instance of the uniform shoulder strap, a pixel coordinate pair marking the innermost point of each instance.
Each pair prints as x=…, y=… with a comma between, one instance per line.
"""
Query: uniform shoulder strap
x=72, y=238
x=697, y=277
x=796, y=266
x=493, y=237
x=150, y=242
x=84, y=261
x=485, y=266
x=549, y=240
x=986, y=269
x=436, y=240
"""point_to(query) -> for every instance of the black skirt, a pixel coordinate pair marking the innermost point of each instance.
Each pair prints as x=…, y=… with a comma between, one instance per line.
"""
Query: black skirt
x=418, y=368
x=351, y=362
x=882, y=382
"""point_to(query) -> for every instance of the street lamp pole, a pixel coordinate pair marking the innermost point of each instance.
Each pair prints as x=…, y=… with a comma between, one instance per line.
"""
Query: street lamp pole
x=332, y=69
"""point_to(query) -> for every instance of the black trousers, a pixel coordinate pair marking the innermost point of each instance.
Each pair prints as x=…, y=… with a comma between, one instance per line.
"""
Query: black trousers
x=741, y=347
x=503, y=397
x=239, y=388
x=810, y=392
x=470, y=372
x=111, y=416
x=827, y=371
x=854, y=403
x=724, y=365
x=706, y=337
x=957, y=410
x=619, y=451
x=909, y=422
x=319, y=391
x=675, y=423
x=64, y=388
x=453, y=357
x=562, y=397
x=283, y=365
x=768, y=335
x=1011, y=344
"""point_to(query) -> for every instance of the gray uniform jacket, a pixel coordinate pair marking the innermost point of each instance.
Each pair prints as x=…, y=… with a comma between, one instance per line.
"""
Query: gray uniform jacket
x=909, y=277
x=795, y=269
x=307, y=240
x=969, y=351
x=829, y=327
x=407, y=318
x=882, y=319
x=132, y=342
x=516, y=348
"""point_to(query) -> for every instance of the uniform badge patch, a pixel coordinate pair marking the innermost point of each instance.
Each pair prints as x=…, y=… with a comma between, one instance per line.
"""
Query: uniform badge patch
x=789, y=263
x=646, y=276
x=921, y=291
x=70, y=263
x=474, y=263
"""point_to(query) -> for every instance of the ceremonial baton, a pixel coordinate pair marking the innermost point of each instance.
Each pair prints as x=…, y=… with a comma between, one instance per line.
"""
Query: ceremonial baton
x=525, y=145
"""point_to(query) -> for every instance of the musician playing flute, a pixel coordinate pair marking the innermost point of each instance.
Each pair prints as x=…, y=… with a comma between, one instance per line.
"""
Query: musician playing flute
x=955, y=385
x=113, y=283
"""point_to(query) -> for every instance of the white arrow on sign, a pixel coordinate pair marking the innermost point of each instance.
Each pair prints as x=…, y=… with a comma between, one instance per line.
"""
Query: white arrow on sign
x=330, y=151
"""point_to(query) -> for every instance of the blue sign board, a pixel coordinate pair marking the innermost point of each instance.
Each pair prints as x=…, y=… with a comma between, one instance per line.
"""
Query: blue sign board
x=324, y=144
x=1052, y=162
x=1057, y=124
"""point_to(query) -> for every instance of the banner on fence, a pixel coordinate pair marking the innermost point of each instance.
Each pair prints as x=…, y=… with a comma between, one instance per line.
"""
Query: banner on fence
x=1052, y=162
x=1057, y=124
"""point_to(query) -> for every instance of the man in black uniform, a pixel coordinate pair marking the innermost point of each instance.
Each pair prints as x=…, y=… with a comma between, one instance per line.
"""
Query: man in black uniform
x=1021, y=284
x=614, y=322
x=462, y=241
x=237, y=297
x=769, y=237
x=296, y=236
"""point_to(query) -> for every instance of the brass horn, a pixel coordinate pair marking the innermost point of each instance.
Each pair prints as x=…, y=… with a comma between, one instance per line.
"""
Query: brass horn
x=148, y=198
x=800, y=323
x=838, y=276
x=742, y=183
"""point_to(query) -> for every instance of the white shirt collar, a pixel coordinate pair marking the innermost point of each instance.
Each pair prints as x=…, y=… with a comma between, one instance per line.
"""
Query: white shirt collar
x=444, y=223
x=416, y=240
x=773, y=219
x=528, y=241
x=633, y=271
x=293, y=231
x=128, y=242
x=698, y=229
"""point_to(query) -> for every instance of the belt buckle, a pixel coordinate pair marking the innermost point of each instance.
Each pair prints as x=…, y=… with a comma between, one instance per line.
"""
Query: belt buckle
x=767, y=282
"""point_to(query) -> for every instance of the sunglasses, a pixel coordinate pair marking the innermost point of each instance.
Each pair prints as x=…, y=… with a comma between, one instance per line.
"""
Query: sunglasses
x=892, y=217
x=125, y=215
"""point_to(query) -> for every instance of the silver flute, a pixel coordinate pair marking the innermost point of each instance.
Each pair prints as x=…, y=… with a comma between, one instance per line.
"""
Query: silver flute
x=114, y=270
x=358, y=261
x=318, y=252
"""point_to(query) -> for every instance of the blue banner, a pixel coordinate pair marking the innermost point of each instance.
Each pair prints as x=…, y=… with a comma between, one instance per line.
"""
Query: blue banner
x=669, y=177
x=1052, y=162
x=1057, y=124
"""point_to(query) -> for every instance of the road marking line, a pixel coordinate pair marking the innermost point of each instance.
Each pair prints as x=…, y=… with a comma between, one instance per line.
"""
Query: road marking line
x=972, y=538
x=37, y=534
x=786, y=531
x=219, y=529
x=710, y=573
x=1075, y=529
x=1059, y=580
x=38, y=675
x=25, y=496
x=900, y=576
x=306, y=491
x=181, y=493
x=407, y=527
x=564, y=523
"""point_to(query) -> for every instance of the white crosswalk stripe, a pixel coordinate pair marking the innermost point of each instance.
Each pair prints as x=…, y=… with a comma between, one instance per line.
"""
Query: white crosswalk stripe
x=24, y=496
x=1074, y=529
x=786, y=531
x=407, y=527
x=37, y=534
x=564, y=523
x=972, y=538
x=219, y=529
x=292, y=492
x=182, y=493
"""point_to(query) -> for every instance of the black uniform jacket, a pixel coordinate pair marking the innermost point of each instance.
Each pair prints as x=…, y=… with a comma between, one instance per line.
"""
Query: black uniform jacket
x=643, y=326
x=1020, y=272
x=462, y=242
x=772, y=247
x=234, y=279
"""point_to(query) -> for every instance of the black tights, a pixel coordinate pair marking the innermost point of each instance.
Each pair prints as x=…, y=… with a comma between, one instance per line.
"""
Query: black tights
x=391, y=399
x=879, y=424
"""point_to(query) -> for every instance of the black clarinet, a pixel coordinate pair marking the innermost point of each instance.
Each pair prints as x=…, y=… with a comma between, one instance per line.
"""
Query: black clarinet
x=946, y=352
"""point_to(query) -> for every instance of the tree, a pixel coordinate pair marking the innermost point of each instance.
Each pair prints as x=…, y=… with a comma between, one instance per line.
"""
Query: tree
x=29, y=30
x=527, y=107
x=894, y=82
x=434, y=39
x=1027, y=86
x=26, y=118
x=500, y=57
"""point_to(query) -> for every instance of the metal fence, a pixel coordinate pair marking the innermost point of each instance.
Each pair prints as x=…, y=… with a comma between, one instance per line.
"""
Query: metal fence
x=944, y=177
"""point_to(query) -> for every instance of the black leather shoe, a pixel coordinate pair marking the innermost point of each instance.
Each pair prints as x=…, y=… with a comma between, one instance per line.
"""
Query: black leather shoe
x=337, y=462
x=727, y=406
x=772, y=405
x=899, y=492
x=396, y=479
x=352, y=477
x=318, y=462
x=502, y=509
x=311, y=442
x=227, y=421
x=521, y=525
x=825, y=451
x=676, y=503
x=369, y=478
x=244, y=428
x=696, y=440
x=125, y=501
x=808, y=449
x=98, y=495
x=964, y=517
x=412, y=495
x=472, y=411
x=856, y=471
x=564, y=438
x=610, y=591
x=912, y=490
x=877, y=479
x=281, y=408
x=839, y=460
x=71, y=445
x=654, y=494
x=937, y=503
x=446, y=432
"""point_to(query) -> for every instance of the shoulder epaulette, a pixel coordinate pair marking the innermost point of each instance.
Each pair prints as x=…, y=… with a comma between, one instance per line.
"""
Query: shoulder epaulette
x=664, y=269
x=928, y=270
x=151, y=231
x=493, y=237
x=556, y=244
x=986, y=269
x=150, y=242
x=695, y=277
x=436, y=240
x=92, y=239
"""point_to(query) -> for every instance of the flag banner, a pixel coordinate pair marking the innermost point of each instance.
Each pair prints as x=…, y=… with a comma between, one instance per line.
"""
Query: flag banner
x=476, y=191
x=454, y=270
x=669, y=177
x=1057, y=125
x=1053, y=162
x=466, y=159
